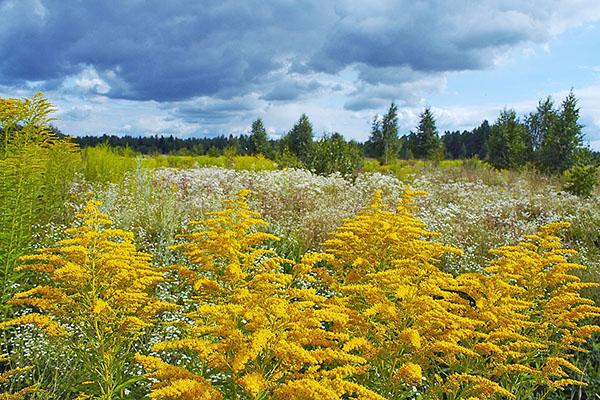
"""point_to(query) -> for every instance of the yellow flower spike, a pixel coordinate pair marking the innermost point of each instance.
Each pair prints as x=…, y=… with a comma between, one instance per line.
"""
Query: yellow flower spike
x=254, y=383
x=410, y=373
x=257, y=328
x=100, y=292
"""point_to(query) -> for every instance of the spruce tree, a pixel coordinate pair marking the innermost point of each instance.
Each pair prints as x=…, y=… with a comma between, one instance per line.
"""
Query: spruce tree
x=383, y=143
x=426, y=141
x=509, y=144
x=259, y=139
x=559, y=147
x=374, y=146
x=543, y=123
x=389, y=134
x=300, y=138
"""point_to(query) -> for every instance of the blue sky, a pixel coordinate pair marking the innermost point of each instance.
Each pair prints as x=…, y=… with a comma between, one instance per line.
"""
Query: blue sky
x=194, y=68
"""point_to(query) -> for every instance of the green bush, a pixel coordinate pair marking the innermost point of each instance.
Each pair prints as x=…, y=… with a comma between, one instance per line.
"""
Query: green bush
x=286, y=159
x=333, y=154
x=581, y=180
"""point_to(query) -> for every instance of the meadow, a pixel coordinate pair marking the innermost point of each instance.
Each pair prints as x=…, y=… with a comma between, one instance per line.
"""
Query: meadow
x=194, y=277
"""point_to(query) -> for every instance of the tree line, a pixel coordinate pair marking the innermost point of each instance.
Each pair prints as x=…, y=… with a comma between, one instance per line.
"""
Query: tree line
x=549, y=138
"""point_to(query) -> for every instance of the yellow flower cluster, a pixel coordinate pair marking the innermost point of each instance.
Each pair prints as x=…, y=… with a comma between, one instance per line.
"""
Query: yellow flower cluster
x=411, y=311
x=505, y=331
x=532, y=313
x=371, y=317
x=257, y=328
x=99, y=294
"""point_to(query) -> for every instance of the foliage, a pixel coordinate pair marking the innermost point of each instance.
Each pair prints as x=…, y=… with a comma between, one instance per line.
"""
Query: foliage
x=508, y=331
x=256, y=330
x=332, y=154
x=468, y=144
x=259, y=139
x=383, y=142
x=581, y=180
x=104, y=163
x=300, y=139
x=559, y=146
x=425, y=142
x=36, y=170
x=542, y=124
x=286, y=159
x=509, y=145
x=381, y=293
x=7, y=374
x=95, y=299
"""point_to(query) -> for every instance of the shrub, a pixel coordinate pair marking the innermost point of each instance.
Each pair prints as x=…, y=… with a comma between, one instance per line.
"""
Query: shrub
x=286, y=159
x=333, y=154
x=581, y=180
x=104, y=163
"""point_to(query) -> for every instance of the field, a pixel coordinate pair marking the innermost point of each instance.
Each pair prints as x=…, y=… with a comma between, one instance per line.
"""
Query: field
x=196, y=277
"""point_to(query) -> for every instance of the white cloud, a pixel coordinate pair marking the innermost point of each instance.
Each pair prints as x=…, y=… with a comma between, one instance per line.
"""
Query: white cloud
x=86, y=81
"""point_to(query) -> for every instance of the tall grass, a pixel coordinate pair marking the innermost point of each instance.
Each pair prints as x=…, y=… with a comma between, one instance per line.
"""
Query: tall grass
x=104, y=163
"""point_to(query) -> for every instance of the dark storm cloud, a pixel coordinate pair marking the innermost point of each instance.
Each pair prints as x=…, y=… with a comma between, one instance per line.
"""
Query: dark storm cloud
x=153, y=49
x=178, y=50
x=207, y=111
x=290, y=90
x=426, y=36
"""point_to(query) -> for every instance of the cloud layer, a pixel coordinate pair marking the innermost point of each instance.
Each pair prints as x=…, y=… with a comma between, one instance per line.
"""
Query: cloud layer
x=204, y=63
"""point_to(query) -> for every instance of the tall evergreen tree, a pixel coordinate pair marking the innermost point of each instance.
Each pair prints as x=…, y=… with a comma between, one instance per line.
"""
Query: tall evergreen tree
x=426, y=141
x=300, y=138
x=542, y=123
x=259, y=139
x=389, y=135
x=383, y=143
x=479, y=147
x=509, y=143
x=559, y=147
x=374, y=146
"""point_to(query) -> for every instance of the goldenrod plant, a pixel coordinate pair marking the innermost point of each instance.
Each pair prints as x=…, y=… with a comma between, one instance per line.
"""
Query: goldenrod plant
x=385, y=265
x=506, y=332
x=256, y=331
x=36, y=170
x=7, y=374
x=96, y=299
x=534, y=319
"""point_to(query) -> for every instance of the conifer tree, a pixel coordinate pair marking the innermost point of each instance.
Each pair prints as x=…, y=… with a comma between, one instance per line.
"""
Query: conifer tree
x=373, y=146
x=543, y=123
x=383, y=143
x=508, y=144
x=426, y=141
x=300, y=138
x=259, y=139
x=558, y=148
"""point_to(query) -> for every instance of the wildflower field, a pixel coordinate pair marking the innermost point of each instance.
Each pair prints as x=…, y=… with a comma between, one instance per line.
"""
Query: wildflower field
x=128, y=277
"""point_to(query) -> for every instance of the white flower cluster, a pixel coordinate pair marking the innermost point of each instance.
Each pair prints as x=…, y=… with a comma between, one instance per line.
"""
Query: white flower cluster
x=474, y=212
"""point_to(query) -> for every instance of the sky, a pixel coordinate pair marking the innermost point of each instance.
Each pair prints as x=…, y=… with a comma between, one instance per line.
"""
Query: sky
x=204, y=68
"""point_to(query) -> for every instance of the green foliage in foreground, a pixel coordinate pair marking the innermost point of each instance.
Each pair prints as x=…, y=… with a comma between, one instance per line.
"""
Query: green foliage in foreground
x=36, y=170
